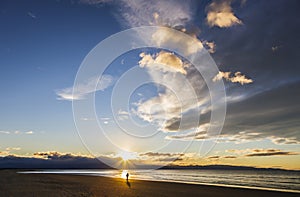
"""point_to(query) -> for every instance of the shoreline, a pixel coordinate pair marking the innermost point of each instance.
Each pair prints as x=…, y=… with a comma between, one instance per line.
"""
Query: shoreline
x=16, y=184
x=166, y=181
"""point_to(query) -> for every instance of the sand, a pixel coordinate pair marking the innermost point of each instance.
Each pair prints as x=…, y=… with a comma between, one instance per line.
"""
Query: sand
x=14, y=184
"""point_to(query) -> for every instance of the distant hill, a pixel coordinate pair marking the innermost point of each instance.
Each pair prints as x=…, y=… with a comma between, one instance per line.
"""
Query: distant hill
x=222, y=167
x=80, y=162
x=71, y=162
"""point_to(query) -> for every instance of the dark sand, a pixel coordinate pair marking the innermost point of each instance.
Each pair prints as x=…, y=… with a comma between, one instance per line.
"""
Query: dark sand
x=14, y=184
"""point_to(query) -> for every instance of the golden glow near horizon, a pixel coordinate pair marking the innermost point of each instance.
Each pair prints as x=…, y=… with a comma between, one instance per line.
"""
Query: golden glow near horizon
x=123, y=174
x=125, y=155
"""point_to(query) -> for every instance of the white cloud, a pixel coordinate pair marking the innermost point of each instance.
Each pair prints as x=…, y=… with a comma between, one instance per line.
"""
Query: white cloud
x=164, y=61
x=29, y=132
x=220, y=14
x=282, y=140
x=237, y=78
x=123, y=115
x=184, y=92
x=174, y=40
x=79, y=92
x=17, y=132
x=13, y=148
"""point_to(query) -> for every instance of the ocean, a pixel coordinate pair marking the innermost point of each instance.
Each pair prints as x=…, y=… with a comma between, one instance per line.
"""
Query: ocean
x=287, y=181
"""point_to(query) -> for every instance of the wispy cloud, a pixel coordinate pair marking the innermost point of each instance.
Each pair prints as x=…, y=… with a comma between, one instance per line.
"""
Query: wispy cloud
x=135, y=13
x=123, y=115
x=269, y=152
x=13, y=148
x=275, y=48
x=173, y=39
x=17, y=132
x=5, y=132
x=219, y=13
x=31, y=15
x=80, y=91
x=260, y=152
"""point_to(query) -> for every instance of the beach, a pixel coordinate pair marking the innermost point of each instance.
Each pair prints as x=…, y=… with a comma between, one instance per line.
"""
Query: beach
x=15, y=184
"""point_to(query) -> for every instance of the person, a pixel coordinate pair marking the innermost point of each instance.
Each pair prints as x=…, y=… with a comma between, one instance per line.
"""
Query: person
x=127, y=175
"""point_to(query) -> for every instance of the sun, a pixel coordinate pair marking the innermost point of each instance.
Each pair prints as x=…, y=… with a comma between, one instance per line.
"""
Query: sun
x=125, y=155
x=123, y=174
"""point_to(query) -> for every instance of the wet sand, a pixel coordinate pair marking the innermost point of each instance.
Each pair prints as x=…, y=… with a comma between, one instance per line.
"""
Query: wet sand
x=14, y=184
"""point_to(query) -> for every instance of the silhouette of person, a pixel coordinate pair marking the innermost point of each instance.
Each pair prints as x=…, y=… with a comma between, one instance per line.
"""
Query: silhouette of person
x=127, y=182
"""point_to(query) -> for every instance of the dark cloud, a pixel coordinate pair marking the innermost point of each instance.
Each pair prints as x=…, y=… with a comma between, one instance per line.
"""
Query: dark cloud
x=214, y=157
x=272, y=114
x=247, y=48
x=155, y=154
x=229, y=157
x=221, y=157
x=275, y=153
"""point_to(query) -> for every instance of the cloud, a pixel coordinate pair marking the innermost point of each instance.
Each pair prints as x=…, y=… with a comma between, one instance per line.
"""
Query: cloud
x=255, y=112
x=95, y=2
x=53, y=155
x=220, y=14
x=143, y=12
x=183, y=96
x=136, y=13
x=270, y=152
x=211, y=46
x=282, y=140
x=237, y=78
x=229, y=157
x=80, y=91
x=29, y=132
x=165, y=158
x=31, y=15
x=156, y=154
x=213, y=157
x=13, y=148
x=17, y=132
x=199, y=134
x=123, y=115
x=271, y=115
x=275, y=48
x=260, y=152
x=174, y=40
x=164, y=61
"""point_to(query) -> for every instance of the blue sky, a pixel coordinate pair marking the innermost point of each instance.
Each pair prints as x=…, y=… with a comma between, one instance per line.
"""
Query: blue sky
x=253, y=43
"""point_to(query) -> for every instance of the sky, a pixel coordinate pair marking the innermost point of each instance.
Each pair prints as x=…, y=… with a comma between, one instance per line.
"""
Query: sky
x=151, y=105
